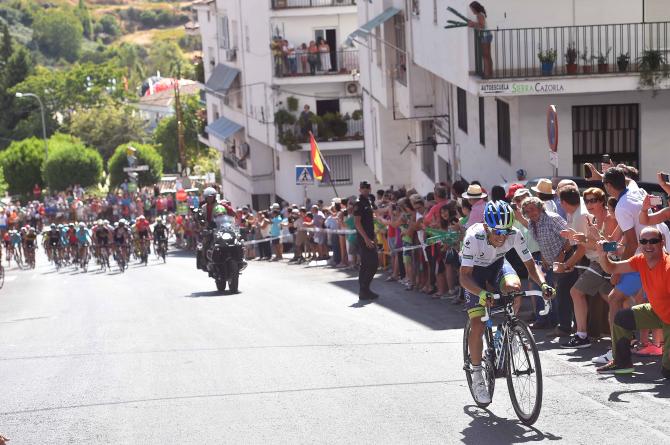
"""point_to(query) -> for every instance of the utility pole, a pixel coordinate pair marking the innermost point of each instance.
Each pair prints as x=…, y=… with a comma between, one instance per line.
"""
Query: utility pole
x=180, y=119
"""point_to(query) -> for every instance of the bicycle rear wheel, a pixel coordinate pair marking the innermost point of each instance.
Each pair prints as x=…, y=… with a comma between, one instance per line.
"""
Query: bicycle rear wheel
x=524, y=374
x=486, y=362
x=2, y=276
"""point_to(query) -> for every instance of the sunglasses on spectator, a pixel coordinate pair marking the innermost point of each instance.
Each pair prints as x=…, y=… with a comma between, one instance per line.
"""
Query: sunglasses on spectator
x=650, y=241
x=591, y=201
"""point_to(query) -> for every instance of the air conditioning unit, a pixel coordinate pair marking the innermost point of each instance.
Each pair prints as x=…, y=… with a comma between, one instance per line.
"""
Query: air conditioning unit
x=231, y=55
x=352, y=89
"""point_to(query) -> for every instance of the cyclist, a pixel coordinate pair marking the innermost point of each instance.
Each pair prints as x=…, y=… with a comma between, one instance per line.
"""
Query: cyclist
x=143, y=233
x=160, y=234
x=483, y=267
x=17, y=242
x=121, y=239
x=84, y=240
x=72, y=241
x=101, y=237
x=52, y=241
x=29, y=246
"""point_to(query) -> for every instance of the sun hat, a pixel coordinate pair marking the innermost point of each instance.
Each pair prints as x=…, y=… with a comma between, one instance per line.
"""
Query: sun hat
x=521, y=192
x=474, y=192
x=544, y=186
x=512, y=189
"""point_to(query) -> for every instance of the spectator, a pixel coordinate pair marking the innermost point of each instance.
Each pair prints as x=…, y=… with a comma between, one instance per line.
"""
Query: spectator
x=275, y=232
x=301, y=54
x=291, y=57
x=653, y=266
x=313, y=58
x=545, y=191
x=305, y=121
x=324, y=51
x=546, y=228
x=521, y=175
x=475, y=196
x=498, y=193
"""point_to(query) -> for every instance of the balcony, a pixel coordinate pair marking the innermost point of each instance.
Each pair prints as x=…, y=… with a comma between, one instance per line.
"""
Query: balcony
x=302, y=64
x=290, y=4
x=617, y=50
x=295, y=137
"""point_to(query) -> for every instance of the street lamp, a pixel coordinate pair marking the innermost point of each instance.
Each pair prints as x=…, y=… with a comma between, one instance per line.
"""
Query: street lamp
x=44, y=127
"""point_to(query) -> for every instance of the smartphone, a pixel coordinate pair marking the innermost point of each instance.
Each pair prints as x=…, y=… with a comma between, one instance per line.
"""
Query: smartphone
x=587, y=172
x=606, y=159
x=665, y=177
x=610, y=247
x=655, y=200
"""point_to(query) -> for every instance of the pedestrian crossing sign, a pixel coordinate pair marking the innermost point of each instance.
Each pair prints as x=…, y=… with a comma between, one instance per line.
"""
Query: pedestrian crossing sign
x=304, y=175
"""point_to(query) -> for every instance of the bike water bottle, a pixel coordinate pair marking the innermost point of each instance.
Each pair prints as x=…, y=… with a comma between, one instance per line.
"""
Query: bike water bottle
x=497, y=340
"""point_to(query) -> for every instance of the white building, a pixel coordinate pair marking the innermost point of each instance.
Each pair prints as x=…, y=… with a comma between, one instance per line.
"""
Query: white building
x=247, y=84
x=424, y=83
x=154, y=107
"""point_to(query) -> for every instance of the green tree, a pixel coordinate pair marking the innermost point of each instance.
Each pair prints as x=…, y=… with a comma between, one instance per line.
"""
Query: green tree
x=165, y=135
x=106, y=127
x=22, y=163
x=146, y=155
x=84, y=16
x=165, y=55
x=71, y=162
x=110, y=26
x=58, y=33
x=15, y=71
x=5, y=44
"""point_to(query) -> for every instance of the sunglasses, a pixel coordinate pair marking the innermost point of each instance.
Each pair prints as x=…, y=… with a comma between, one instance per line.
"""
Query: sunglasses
x=591, y=201
x=502, y=231
x=650, y=241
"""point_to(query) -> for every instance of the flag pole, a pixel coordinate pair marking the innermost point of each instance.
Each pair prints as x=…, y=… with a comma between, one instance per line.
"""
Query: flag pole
x=323, y=161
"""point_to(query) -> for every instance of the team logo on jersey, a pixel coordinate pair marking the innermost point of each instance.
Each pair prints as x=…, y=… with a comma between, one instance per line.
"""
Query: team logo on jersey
x=525, y=251
x=480, y=236
x=467, y=257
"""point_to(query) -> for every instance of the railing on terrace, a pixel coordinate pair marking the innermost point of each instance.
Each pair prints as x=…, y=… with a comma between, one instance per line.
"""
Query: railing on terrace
x=296, y=133
x=286, y=4
x=583, y=50
x=305, y=64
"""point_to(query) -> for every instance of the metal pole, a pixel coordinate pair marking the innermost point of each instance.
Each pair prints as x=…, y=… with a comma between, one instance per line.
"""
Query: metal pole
x=44, y=126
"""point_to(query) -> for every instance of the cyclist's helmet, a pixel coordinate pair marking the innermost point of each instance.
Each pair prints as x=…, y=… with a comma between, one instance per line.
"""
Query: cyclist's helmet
x=23, y=230
x=498, y=215
x=106, y=222
x=100, y=223
x=60, y=226
x=52, y=226
x=71, y=225
x=209, y=191
x=122, y=222
x=159, y=221
x=82, y=225
x=32, y=230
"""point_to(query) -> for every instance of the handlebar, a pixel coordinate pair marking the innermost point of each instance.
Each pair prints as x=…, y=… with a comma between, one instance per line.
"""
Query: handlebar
x=530, y=293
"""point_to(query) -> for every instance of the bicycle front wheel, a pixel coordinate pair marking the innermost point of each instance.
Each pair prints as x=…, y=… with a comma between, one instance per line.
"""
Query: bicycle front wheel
x=524, y=374
x=486, y=363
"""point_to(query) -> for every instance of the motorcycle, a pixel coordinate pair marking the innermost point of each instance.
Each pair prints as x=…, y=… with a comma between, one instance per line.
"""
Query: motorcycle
x=221, y=253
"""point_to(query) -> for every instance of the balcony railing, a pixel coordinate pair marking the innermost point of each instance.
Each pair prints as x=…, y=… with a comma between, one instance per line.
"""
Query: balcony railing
x=292, y=136
x=579, y=50
x=287, y=4
x=318, y=64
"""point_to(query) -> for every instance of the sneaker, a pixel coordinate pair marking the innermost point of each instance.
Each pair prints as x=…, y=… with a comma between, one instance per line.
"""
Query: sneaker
x=577, y=342
x=479, y=390
x=649, y=350
x=613, y=368
x=603, y=359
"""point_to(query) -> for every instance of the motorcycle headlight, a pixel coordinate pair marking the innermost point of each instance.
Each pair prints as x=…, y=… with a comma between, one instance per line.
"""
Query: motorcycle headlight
x=226, y=236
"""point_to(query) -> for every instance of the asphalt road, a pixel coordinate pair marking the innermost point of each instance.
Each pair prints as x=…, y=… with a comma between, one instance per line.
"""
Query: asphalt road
x=157, y=356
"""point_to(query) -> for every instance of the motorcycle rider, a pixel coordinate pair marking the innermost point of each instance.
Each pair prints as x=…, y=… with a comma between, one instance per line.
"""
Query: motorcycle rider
x=207, y=208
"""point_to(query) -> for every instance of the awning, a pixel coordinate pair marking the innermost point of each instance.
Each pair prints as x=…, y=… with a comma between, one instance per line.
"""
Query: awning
x=222, y=78
x=223, y=128
x=367, y=28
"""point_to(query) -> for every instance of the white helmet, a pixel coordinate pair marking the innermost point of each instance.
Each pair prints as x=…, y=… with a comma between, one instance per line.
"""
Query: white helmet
x=209, y=191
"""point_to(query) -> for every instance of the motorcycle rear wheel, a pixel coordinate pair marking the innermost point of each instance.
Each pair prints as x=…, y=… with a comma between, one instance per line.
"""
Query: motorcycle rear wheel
x=220, y=285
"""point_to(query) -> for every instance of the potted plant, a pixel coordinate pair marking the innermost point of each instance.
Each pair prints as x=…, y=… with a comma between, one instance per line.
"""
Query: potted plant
x=357, y=115
x=603, y=66
x=622, y=62
x=653, y=69
x=292, y=103
x=586, y=66
x=547, y=59
x=283, y=117
x=571, y=55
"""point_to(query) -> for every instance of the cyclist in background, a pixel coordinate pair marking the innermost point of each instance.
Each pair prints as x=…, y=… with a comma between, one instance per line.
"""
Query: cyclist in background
x=84, y=240
x=52, y=240
x=121, y=239
x=143, y=233
x=30, y=245
x=484, y=267
x=160, y=234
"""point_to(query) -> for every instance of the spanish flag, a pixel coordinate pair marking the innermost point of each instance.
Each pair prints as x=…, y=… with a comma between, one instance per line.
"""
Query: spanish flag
x=319, y=166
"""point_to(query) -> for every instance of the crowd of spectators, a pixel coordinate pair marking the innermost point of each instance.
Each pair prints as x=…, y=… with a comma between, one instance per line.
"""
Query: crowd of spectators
x=567, y=229
x=315, y=57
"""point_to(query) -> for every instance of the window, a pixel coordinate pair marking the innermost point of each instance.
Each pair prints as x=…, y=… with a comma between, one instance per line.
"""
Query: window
x=340, y=169
x=416, y=10
x=400, y=53
x=462, y=106
x=215, y=111
x=212, y=56
x=223, y=33
x=435, y=12
x=378, y=45
x=428, y=149
x=605, y=129
x=234, y=42
x=482, y=123
x=504, y=138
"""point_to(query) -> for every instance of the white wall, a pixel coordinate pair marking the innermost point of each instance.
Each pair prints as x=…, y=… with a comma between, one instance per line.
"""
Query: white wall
x=299, y=30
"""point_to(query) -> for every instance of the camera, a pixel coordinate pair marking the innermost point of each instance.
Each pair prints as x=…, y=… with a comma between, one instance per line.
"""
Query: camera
x=655, y=200
x=610, y=246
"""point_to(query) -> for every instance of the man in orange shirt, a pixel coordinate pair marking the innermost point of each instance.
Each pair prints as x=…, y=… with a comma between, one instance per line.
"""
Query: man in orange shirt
x=653, y=265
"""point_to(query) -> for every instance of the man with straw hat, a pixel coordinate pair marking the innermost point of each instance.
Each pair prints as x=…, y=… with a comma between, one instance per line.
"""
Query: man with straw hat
x=476, y=196
x=545, y=191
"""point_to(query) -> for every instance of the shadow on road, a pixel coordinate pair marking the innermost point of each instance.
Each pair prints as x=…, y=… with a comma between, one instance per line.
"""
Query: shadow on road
x=209, y=293
x=486, y=427
x=179, y=253
x=433, y=313
x=660, y=391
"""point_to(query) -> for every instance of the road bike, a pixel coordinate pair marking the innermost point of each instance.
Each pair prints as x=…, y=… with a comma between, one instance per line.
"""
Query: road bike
x=509, y=351
x=160, y=248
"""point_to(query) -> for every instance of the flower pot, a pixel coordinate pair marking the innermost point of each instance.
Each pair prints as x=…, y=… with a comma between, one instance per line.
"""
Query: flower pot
x=547, y=68
x=587, y=69
x=623, y=66
x=571, y=68
x=603, y=68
